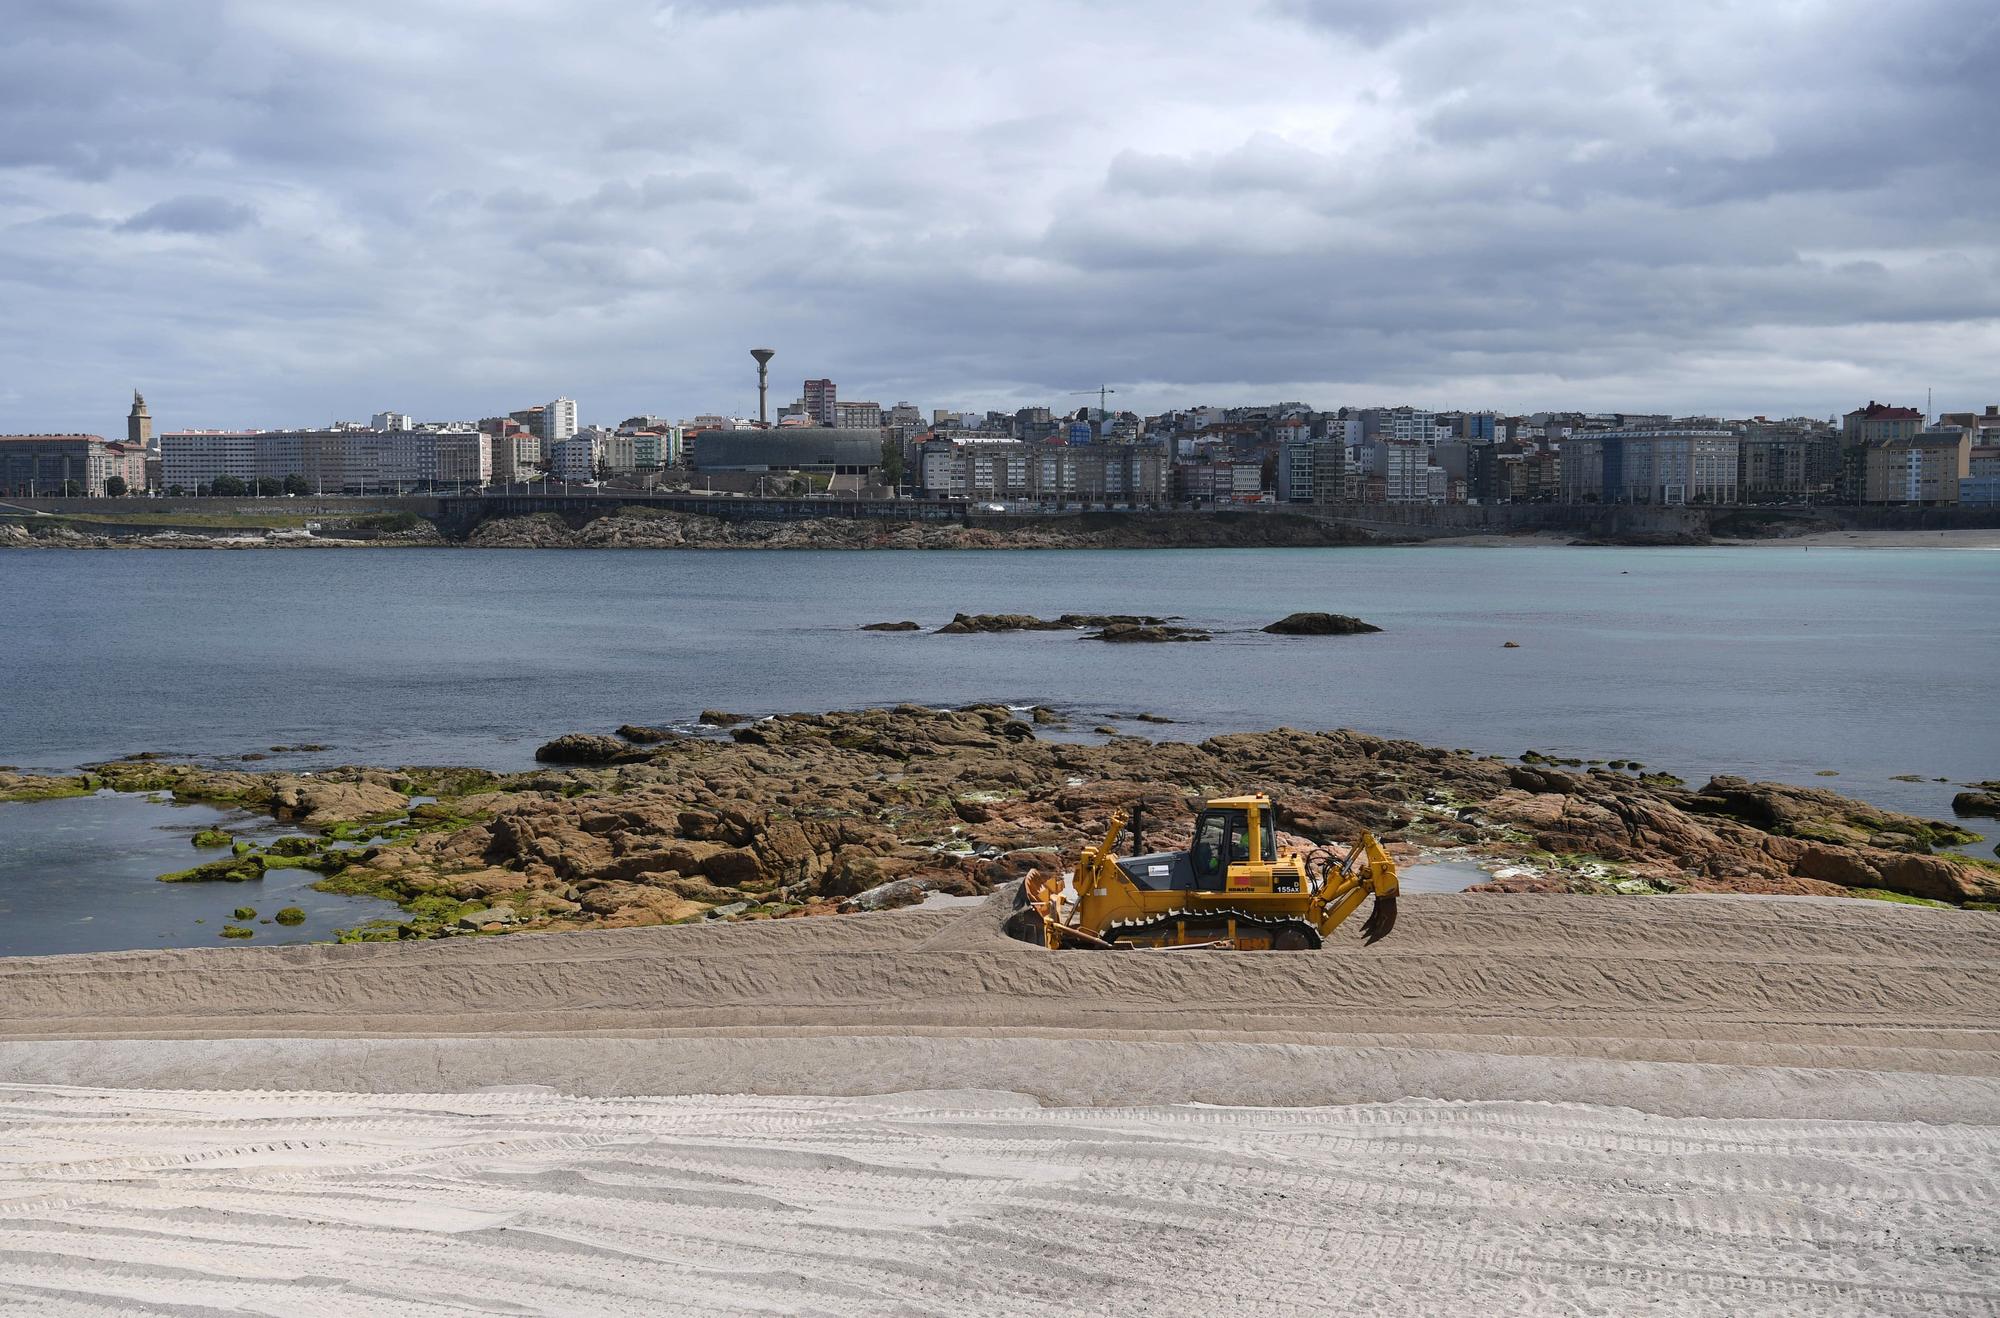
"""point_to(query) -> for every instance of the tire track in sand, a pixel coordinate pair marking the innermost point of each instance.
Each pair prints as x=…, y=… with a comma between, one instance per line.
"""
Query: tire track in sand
x=962, y=1203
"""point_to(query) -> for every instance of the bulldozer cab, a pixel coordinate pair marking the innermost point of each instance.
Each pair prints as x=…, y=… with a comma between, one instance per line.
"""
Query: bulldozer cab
x=1235, y=846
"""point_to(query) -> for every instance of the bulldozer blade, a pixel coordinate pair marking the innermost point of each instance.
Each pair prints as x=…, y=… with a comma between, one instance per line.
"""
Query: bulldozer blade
x=1381, y=920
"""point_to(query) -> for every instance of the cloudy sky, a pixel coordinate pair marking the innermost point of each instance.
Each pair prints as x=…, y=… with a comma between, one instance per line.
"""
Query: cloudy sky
x=269, y=213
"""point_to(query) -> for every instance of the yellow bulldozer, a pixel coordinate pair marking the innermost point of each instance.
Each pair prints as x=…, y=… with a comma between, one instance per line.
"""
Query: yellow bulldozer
x=1231, y=888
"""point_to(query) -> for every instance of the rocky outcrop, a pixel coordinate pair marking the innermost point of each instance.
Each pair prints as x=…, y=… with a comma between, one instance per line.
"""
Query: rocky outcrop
x=966, y=624
x=587, y=748
x=39, y=787
x=807, y=814
x=1112, y=620
x=1113, y=626
x=1320, y=624
x=317, y=803
x=1126, y=632
x=1817, y=815
x=905, y=626
x=1983, y=801
x=639, y=735
x=721, y=718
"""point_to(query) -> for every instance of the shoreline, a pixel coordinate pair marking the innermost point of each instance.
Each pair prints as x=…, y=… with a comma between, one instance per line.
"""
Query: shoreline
x=813, y=815
x=640, y=527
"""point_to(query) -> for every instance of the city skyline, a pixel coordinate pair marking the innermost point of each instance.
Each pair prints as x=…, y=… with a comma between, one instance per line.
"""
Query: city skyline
x=1702, y=210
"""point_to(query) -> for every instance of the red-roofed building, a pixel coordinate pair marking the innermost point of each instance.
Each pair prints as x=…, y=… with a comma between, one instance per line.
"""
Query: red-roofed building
x=1878, y=423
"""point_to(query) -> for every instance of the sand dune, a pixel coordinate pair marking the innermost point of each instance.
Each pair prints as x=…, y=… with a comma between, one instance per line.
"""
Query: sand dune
x=1516, y=1104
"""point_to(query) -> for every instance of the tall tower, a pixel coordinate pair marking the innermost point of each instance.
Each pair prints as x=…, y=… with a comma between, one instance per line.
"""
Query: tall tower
x=820, y=396
x=763, y=356
x=559, y=420
x=139, y=424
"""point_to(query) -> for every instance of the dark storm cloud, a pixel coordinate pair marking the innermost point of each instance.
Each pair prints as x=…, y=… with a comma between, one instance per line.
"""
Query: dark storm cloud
x=286, y=213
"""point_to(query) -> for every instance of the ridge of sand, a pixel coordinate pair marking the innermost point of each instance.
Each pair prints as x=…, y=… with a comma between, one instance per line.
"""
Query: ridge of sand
x=1607, y=999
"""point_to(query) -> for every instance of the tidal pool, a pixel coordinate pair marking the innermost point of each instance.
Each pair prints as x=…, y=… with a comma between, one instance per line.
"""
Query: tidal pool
x=82, y=875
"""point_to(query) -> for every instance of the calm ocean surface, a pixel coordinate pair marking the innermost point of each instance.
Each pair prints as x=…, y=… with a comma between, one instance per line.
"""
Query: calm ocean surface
x=1769, y=662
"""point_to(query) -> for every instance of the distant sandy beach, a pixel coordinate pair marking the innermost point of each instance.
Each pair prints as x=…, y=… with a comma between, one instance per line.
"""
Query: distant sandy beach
x=1979, y=539
x=1519, y=1104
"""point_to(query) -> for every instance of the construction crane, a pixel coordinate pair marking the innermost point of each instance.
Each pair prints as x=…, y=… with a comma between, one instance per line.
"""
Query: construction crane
x=1103, y=391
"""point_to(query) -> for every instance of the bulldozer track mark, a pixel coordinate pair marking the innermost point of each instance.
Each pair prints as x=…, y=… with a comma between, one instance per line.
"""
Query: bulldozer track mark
x=963, y=1203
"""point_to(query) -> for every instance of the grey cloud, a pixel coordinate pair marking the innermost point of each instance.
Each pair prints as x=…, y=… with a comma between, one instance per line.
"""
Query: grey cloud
x=1518, y=202
x=191, y=215
x=1371, y=21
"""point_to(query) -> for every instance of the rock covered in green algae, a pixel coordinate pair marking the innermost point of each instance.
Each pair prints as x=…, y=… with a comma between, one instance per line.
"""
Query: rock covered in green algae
x=234, y=869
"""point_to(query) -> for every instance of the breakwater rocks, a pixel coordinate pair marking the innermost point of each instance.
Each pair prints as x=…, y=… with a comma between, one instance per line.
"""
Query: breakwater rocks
x=812, y=813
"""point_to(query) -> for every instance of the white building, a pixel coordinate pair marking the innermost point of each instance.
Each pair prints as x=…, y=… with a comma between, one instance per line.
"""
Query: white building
x=356, y=460
x=559, y=420
x=616, y=452
x=392, y=421
x=191, y=458
x=464, y=457
x=573, y=459
x=1405, y=471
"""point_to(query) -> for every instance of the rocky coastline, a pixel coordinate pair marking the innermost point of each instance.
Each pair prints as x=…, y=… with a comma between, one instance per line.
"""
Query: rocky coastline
x=637, y=527
x=814, y=814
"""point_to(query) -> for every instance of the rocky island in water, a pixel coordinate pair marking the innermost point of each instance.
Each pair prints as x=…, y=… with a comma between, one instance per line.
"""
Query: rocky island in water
x=813, y=814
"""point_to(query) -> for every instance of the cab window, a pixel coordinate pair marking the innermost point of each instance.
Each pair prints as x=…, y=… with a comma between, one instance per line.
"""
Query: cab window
x=1209, y=838
x=1239, y=835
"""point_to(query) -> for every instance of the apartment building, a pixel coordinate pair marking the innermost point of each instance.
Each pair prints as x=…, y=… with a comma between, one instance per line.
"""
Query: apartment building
x=1878, y=423
x=1313, y=471
x=573, y=459
x=857, y=416
x=1922, y=468
x=819, y=397
x=348, y=459
x=1651, y=466
x=1787, y=461
x=1004, y=469
x=464, y=457
x=559, y=420
x=49, y=465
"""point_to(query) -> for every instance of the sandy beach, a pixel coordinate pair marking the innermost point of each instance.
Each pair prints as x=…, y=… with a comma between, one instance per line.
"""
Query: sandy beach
x=1693, y=1104
x=1962, y=539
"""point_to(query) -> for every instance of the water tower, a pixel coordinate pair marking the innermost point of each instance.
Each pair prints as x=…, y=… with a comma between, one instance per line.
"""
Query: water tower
x=763, y=356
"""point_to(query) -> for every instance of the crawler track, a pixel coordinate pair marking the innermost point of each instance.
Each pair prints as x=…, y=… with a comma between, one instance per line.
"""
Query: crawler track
x=1244, y=929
